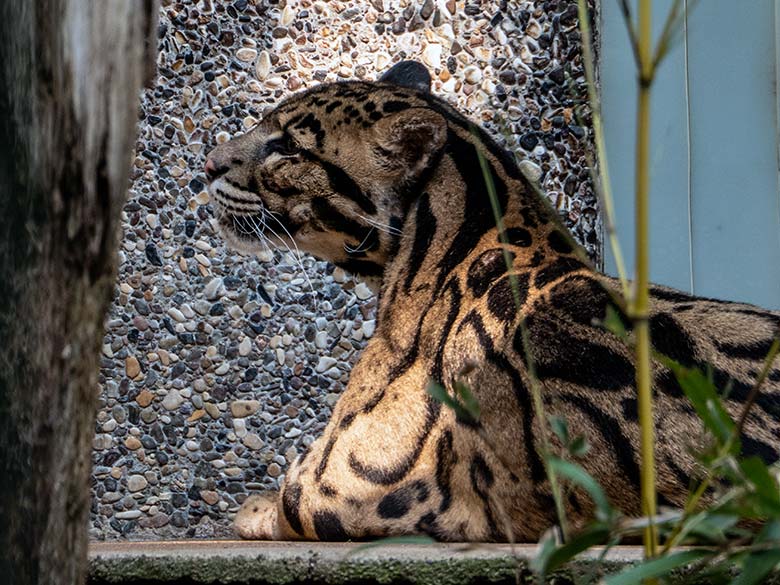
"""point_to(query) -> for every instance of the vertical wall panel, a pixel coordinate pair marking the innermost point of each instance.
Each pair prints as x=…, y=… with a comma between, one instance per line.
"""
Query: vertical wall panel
x=669, y=221
x=715, y=208
x=732, y=76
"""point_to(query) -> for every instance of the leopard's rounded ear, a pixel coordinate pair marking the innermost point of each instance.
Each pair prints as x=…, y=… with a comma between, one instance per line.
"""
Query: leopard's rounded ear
x=413, y=135
x=408, y=74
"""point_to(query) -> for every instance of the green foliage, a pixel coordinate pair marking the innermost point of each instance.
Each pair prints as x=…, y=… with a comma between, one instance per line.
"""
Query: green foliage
x=659, y=567
x=738, y=490
x=462, y=402
x=412, y=539
x=576, y=446
x=705, y=398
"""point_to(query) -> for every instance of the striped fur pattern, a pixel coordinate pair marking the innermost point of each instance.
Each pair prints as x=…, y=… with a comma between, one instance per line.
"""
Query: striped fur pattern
x=383, y=179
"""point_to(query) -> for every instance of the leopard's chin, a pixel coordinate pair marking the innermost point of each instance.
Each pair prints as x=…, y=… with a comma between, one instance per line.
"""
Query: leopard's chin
x=243, y=242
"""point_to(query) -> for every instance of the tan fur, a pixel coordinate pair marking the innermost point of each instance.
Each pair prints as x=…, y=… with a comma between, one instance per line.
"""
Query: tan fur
x=393, y=461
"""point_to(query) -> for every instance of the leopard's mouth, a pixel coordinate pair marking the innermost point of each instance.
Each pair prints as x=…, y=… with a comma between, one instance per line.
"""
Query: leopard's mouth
x=251, y=232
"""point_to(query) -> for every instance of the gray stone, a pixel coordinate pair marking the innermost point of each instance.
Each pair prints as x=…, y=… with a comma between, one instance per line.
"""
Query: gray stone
x=325, y=363
x=135, y=483
x=172, y=400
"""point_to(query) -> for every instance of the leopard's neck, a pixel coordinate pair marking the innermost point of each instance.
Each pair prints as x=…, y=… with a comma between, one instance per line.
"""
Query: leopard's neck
x=450, y=241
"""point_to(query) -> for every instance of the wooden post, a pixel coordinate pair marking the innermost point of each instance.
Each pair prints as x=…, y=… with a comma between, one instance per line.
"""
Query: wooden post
x=70, y=75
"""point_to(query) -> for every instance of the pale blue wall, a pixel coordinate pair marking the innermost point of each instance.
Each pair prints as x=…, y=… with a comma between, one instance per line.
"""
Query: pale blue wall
x=715, y=207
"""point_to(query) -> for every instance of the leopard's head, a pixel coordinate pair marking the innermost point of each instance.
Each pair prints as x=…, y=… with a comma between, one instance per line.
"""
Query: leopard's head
x=331, y=170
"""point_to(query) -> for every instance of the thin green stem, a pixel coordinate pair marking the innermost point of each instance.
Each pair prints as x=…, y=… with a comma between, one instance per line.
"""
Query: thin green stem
x=633, y=39
x=498, y=217
x=751, y=399
x=536, y=394
x=641, y=299
x=601, y=179
x=535, y=390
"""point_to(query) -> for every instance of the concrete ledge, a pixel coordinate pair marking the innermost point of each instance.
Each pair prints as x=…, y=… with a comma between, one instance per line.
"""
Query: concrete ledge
x=282, y=563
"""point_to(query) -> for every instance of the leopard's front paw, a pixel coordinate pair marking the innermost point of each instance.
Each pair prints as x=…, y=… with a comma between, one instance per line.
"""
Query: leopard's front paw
x=256, y=520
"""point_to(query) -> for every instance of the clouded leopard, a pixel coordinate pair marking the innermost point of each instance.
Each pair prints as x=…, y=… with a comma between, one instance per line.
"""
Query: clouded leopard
x=383, y=179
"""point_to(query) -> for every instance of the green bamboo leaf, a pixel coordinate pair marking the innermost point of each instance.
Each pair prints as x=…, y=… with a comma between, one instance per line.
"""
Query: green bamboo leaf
x=758, y=473
x=708, y=526
x=391, y=540
x=764, y=497
x=657, y=567
x=578, y=475
x=440, y=394
x=560, y=428
x=757, y=566
x=579, y=447
x=770, y=532
x=547, y=545
x=593, y=536
x=613, y=322
x=703, y=394
x=470, y=402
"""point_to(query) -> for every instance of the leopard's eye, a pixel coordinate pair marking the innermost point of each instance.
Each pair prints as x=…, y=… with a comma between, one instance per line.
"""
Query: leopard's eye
x=284, y=145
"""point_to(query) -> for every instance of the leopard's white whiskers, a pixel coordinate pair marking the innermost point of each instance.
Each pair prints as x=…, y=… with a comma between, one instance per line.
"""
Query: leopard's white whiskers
x=297, y=255
x=349, y=250
x=382, y=227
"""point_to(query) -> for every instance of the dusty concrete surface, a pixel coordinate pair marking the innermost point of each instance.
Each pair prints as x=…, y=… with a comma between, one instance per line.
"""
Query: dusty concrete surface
x=228, y=562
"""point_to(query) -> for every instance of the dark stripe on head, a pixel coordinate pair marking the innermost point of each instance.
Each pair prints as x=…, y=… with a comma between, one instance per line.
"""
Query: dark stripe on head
x=328, y=215
x=310, y=122
x=369, y=243
x=424, y=230
x=343, y=184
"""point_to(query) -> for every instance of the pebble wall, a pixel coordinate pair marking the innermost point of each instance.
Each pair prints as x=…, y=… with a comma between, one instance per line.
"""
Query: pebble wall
x=217, y=368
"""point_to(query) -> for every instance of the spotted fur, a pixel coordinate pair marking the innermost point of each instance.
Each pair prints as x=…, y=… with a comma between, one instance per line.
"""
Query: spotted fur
x=383, y=179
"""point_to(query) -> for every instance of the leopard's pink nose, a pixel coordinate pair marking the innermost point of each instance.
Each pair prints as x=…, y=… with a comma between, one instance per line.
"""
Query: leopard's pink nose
x=212, y=172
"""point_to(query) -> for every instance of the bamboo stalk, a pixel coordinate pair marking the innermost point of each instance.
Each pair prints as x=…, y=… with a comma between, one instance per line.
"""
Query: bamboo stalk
x=640, y=305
